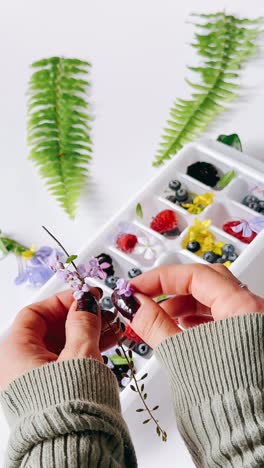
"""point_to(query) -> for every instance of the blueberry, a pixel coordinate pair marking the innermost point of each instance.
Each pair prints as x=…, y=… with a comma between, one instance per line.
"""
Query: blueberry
x=106, y=303
x=142, y=349
x=174, y=184
x=261, y=206
x=111, y=281
x=103, y=257
x=228, y=249
x=232, y=257
x=210, y=257
x=181, y=195
x=253, y=206
x=193, y=246
x=248, y=199
x=221, y=260
x=171, y=198
x=134, y=272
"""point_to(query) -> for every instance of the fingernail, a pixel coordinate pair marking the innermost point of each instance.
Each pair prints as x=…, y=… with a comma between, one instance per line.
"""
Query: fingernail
x=100, y=291
x=127, y=306
x=108, y=315
x=88, y=303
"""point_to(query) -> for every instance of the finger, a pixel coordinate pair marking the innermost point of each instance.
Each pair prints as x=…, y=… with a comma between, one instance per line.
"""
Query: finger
x=47, y=311
x=224, y=271
x=152, y=323
x=179, y=306
x=187, y=305
x=193, y=321
x=205, y=284
x=83, y=329
x=110, y=337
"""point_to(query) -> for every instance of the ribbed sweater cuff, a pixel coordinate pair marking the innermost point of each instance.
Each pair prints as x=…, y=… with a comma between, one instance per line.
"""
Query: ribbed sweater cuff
x=214, y=358
x=55, y=383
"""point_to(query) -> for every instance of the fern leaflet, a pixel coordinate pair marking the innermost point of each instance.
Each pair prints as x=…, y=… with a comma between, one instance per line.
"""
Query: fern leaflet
x=224, y=44
x=58, y=129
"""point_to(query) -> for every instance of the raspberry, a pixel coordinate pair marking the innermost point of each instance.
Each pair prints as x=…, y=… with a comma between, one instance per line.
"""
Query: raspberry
x=131, y=335
x=165, y=221
x=126, y=242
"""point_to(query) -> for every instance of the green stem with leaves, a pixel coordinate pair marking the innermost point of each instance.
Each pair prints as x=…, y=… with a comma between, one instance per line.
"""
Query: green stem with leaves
x=137, y=388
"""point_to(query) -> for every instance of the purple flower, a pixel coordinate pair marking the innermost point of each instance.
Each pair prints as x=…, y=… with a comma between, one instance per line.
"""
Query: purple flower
x=93, y=269
x=54, y=262
x=41, y=255
x=78, y=293
x=255, y=224
x=124, y=288
x=34, y=275
x=37, y=270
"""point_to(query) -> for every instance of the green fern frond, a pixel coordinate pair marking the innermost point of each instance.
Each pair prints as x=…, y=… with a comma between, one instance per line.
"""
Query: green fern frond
x=58, y=129
x=226, y=44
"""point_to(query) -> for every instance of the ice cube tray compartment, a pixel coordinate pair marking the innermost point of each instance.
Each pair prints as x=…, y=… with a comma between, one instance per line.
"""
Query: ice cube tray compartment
x=243, y=186
x=154, y=205
x=222, y=212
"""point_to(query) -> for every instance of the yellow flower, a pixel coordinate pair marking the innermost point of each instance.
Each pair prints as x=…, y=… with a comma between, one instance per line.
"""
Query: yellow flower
x=27, y=254
x=205, y=199
x=217, y=248
x=227, y=263
x=193, y=209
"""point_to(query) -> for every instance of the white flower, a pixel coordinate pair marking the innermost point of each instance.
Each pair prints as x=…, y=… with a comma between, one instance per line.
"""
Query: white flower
x=148, y=247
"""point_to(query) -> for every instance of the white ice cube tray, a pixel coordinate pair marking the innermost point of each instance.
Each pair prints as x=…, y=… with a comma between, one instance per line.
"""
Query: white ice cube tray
x=249, y=266
x=226, y=206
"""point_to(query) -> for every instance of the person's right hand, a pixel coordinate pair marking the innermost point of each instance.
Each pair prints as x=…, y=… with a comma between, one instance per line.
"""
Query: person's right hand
x=204, y=293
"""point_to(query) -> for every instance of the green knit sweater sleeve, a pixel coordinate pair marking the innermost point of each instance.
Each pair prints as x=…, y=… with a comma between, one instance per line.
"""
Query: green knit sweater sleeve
x=216, y=375
x=67, y=415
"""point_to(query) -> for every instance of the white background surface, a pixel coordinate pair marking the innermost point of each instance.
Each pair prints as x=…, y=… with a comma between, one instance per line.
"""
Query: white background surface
x=139, y=51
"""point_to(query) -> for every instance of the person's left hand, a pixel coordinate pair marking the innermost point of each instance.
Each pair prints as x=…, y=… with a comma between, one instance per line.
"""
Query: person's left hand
x=53, y=330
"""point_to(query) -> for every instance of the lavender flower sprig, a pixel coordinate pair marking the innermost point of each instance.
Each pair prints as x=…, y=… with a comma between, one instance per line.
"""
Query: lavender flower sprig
x=79, y=282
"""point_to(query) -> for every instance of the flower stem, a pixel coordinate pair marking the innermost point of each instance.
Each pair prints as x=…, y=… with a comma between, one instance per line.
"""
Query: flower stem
x=61, y=246
x=120, y=344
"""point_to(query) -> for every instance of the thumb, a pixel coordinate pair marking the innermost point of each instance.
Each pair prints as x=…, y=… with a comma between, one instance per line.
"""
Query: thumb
x=151, y=322
x=83, y=329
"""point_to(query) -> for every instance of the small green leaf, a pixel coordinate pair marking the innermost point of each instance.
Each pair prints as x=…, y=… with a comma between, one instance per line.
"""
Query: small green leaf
x=130, y=354
x=145, y=396
x=139, y=410
x=161, y=298
x=144, y=376
x=142, y=387
x=146, y=421
x=71, y=258
x=139, y=210
x=158, y=430
x=226, y=179
x=133, y=388
x=2, y=247
x=231, y=140
x=155, y=408
x=118, y=360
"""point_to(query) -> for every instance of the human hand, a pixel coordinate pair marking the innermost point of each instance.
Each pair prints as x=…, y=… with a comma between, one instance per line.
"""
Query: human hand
x=204, y=293
x=53, y=330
